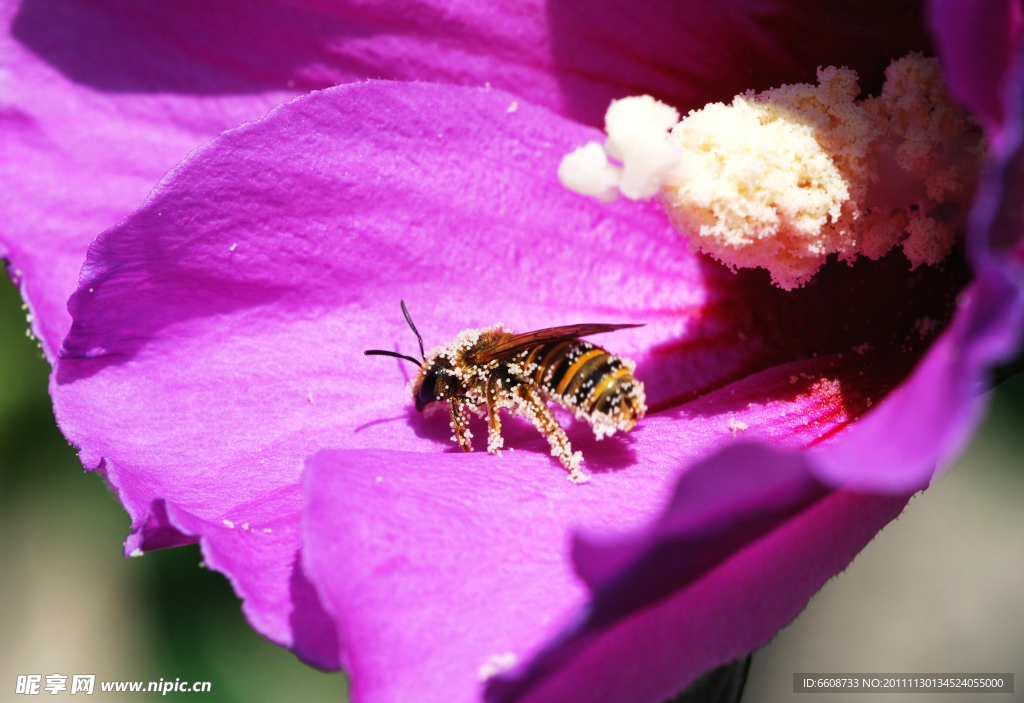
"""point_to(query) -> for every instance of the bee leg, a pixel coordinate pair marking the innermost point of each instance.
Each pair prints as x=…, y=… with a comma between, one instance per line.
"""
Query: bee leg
x=460, y=427
x=494, y=439
x=538, y=412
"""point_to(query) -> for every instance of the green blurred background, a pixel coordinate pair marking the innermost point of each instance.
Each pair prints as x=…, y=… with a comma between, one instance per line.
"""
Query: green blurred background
x=940, y=590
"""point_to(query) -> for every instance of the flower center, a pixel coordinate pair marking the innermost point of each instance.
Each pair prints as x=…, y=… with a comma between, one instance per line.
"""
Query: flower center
x=781, y=179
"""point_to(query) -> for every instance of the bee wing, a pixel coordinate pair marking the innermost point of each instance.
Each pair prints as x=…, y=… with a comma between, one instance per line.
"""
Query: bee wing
x=518, y=342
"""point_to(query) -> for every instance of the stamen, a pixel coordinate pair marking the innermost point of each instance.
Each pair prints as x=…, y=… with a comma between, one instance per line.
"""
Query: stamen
x=638, y=136
x=587, y=171
x=784, y=178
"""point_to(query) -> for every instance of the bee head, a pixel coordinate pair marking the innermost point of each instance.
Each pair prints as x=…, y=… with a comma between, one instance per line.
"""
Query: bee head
x=435, y=382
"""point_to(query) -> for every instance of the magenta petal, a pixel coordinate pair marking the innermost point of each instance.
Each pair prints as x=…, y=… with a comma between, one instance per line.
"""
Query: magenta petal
x=436, y=568
x=938, y=408
x=723, y=503
x=74, y=160
x=147, y=83
x=567, y=55
x=218, y=331
x=693, y=53
x=976, y=40
x=720, y=506
x=740, y=605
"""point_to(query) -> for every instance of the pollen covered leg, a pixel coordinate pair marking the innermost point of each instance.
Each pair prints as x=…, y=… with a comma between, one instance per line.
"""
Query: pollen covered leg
x=494, y=439
x=460, y=428
x=537, y=411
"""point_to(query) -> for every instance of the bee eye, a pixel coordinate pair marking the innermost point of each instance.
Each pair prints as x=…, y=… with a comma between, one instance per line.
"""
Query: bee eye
x=427, y=391
x=437, y=383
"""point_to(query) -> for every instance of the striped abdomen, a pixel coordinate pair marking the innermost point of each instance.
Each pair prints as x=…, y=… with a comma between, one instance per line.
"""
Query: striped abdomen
x=589, y=380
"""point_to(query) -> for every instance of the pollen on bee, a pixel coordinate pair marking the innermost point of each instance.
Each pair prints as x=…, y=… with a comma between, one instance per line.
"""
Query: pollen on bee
x=465, y=432
x=784, y=178
x=494, y=443
x=482, y=371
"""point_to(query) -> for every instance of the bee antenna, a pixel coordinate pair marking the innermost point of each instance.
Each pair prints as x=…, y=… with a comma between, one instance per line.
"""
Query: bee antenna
x=381, y=352
x=414, y=330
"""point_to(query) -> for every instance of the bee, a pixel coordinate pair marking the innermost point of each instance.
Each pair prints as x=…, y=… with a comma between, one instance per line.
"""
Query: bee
x=489, y=369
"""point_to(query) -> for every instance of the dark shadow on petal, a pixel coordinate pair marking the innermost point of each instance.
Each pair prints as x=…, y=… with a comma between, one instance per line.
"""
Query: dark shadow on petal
x=183, y=46
x=124, y=313
x=609, y=454
x=314, y=634
x=434, y=426
x=157, y=531
x=381, y=421
x=999, y=207
x=863, y=327
x=692, y=53
x=600, y=456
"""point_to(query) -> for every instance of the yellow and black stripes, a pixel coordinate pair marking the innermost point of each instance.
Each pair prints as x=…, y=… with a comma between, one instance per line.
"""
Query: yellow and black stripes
x=584, y=378
x=484, y=371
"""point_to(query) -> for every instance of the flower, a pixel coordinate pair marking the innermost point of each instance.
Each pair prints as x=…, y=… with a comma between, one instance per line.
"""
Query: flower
x=217, y=344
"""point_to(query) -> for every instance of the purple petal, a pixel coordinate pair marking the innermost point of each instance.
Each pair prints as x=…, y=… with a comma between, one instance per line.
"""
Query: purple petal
x=242, y=351
x=724, y=503
x=567, y=55
x=74, y=159
x=437, y=569
x=720, y=506
x=938, y=408
x=976, y=40
x=730, y=611
x=148, y=83
x=158, y=359
x=918, y=428
x=689, y=581
x=218, y=331
x=692, y=53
